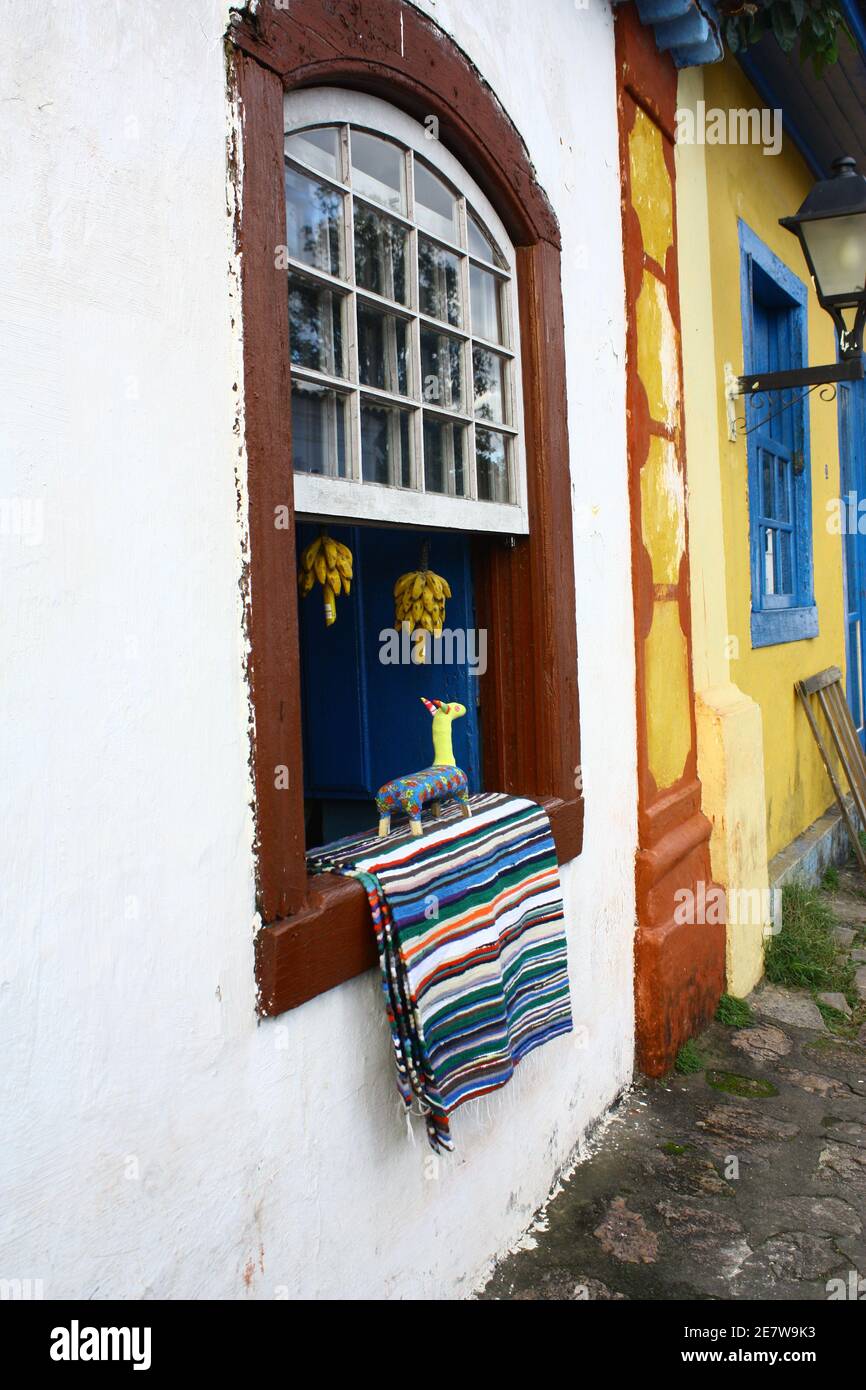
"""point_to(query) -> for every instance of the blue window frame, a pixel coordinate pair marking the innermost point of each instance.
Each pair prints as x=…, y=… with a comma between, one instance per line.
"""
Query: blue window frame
x=774, y=304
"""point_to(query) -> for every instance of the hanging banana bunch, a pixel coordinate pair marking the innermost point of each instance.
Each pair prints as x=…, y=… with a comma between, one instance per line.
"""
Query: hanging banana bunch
x=419, y=599
x=329, y=562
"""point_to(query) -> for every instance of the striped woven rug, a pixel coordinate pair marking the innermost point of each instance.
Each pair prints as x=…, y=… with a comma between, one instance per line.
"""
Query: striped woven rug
x=469, y=926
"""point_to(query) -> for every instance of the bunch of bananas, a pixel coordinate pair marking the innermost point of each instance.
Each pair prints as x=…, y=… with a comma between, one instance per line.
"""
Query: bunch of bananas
x=419, y=600
x=330, y=562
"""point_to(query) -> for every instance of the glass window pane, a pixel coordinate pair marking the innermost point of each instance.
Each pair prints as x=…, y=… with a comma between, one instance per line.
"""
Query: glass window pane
x=786, y=569
x=491, y=396
x=479, y=243
x=380, y=255
x=386, y=444
x=439, y=283
x=318, y=430
x=315, y=326
x=379, y=170
x=485, y=300
x=784, y=511
x=435, y=204
x=444, y=456
x=769, y=562
x=314, y=223
x=382, y=350
x=441, y=370
x=491, y=461
x=319, y=148
x=768, y=503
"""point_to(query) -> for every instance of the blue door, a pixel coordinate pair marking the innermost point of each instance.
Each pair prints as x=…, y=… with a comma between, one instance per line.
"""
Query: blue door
x=852, y=469
x=363, y=720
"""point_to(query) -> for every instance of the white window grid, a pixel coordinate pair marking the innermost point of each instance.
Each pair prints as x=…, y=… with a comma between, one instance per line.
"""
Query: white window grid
x=349, y=388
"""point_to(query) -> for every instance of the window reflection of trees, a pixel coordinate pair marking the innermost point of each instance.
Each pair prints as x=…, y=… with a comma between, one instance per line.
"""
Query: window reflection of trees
x=315, y=328
x=378, y=350
x=380, y=255
x=315, y=223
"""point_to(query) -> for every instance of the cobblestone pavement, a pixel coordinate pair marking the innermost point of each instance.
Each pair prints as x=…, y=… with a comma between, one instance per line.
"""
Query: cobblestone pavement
x=745, y=1180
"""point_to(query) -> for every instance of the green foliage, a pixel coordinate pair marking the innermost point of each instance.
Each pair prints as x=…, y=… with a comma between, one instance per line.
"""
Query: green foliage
x=817, y=25
x=804, y=955
x=830, y=881
x=689, y=1059
x=735, y=1013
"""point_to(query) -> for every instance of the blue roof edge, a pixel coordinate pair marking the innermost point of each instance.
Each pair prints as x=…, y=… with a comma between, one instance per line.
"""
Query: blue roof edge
x=687, y=29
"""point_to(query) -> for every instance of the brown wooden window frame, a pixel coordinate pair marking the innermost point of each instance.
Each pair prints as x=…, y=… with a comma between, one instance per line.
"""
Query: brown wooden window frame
x=315, y=931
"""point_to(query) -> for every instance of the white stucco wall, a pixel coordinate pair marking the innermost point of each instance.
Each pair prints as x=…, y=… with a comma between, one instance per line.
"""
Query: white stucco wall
x=158, y=1141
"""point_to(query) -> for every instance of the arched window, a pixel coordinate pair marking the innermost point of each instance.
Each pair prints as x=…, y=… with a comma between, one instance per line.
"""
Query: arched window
x=402, y=324
x=298, y=75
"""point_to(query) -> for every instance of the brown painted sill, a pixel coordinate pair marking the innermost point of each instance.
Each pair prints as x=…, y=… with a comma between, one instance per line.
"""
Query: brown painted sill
x=331, y=939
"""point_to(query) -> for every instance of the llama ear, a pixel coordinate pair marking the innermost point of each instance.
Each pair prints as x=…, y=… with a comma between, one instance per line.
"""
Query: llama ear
x=429, y=704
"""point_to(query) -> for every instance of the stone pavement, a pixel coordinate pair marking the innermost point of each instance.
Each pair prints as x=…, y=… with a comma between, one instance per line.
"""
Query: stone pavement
x=744, y=1180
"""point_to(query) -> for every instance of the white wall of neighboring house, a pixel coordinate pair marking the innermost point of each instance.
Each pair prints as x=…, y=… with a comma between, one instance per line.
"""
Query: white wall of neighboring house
x=158, y=1139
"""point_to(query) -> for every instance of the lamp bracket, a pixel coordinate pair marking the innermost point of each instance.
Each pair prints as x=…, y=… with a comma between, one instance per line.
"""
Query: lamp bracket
x=761, y=384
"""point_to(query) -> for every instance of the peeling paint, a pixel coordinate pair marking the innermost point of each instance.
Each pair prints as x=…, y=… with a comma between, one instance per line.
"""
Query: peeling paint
x=173, y=1145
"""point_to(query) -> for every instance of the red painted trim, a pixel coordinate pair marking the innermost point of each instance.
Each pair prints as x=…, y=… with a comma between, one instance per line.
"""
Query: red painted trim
x=679, y=969
x=395, y=52
x=316, y=935
x=331, y=939
x=272, y=621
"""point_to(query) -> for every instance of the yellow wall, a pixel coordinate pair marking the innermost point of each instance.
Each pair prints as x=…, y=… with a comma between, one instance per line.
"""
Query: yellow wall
x=743, y=182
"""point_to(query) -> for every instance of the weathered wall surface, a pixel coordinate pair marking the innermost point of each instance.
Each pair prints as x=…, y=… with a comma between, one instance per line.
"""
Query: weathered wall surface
x=728, y=721
x=157, y=1139
x=679, y=963
x=744, y=182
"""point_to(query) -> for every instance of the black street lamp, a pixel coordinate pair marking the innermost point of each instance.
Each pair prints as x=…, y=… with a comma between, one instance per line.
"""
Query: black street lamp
x=831, y=226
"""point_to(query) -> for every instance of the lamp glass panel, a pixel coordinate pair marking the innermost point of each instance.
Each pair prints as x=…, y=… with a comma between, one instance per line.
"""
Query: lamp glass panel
x=837, y=247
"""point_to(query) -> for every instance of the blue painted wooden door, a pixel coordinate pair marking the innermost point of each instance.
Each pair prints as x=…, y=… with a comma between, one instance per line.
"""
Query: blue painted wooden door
x=363, y=720
x=852, y=467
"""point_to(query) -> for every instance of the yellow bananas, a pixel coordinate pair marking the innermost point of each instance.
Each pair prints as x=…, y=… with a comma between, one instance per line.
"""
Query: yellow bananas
x=419, y=600
x=329, y=562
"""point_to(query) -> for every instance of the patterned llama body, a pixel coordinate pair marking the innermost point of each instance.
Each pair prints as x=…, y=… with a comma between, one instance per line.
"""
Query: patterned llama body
x=431, y=786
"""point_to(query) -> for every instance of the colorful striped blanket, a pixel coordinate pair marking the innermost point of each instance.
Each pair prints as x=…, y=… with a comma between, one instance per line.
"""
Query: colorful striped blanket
x=469, y=926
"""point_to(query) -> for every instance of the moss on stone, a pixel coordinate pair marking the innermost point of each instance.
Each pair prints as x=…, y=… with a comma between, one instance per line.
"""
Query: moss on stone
x=736, y=1085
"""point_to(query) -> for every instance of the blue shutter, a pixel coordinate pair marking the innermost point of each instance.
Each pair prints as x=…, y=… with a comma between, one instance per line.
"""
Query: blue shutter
x=780, y=495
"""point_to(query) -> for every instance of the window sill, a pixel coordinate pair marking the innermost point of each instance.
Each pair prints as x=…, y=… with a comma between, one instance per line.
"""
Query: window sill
x=331, y=939
x=772, y=626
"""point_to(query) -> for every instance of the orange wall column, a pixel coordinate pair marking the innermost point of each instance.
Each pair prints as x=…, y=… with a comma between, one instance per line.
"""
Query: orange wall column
x=679, y=964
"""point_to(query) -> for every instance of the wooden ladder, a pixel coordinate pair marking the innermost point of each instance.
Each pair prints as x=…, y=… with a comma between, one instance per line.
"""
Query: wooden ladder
x=827, y=685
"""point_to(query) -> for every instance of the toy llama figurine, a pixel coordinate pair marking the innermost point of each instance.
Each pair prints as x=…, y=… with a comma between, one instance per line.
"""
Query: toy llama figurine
x=432, y=785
